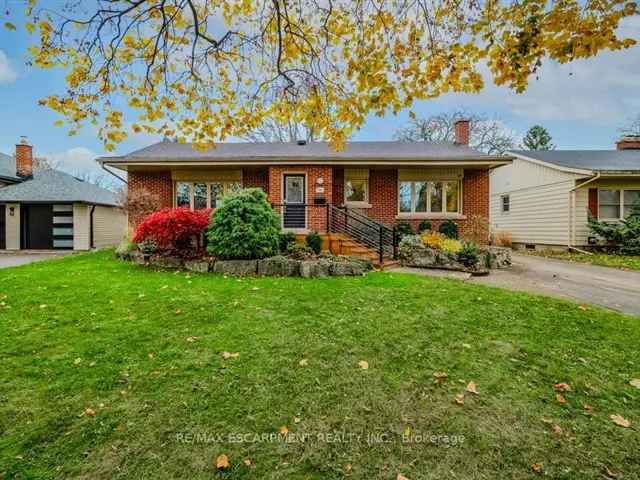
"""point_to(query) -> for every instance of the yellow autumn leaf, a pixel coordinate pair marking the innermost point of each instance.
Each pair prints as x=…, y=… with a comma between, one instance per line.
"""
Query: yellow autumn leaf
x=620, y=420
x=363, y=364
x=222, y=462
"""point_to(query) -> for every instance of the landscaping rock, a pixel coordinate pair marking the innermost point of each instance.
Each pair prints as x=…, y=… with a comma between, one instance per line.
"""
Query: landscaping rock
x=278, y=266
x=138, y=258
x=500, y=257
x=236, y=267
x=169, y=263
x=315, y=268
x=349, y=266
x=198, y=266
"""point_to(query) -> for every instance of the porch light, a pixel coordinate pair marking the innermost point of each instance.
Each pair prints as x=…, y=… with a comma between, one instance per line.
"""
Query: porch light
x=12, y=211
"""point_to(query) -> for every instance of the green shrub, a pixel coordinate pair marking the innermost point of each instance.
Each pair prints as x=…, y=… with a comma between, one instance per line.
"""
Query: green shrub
x=449, y=229
x=424, y=226
x=623, y=236
x=468, y=255
x=126, y=249
x=314, y=242
x=403, y=229
x=286, y=239
x=244, y=227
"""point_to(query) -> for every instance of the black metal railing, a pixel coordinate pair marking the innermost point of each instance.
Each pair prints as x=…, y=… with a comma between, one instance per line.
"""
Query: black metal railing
x=364, y=230
x=327, y=218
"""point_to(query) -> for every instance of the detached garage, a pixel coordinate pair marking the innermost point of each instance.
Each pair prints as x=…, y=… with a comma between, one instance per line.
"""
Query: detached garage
x=52, y=210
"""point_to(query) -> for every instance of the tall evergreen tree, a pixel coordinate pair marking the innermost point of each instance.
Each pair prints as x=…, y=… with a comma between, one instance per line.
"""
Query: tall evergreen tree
x=537, y=138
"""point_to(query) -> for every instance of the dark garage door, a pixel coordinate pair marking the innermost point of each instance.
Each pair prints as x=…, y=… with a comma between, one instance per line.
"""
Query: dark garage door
x=37, y=227
x=3, y=228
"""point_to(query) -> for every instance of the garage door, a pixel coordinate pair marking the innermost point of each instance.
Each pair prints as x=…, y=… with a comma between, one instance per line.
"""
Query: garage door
x=3, y=228
x=37, y=223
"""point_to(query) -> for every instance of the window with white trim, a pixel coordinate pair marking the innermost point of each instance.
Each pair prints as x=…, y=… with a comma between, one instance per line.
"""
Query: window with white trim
x=425, y=196
x=201, y=195
x=617, y=204
x=356, y=186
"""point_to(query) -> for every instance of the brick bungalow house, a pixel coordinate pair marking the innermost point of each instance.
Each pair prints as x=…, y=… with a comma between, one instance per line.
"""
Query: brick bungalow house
x=380, y=183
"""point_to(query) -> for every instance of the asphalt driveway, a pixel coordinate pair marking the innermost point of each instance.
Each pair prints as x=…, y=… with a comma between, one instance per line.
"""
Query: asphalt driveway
x=582, y=283
x=22, y=258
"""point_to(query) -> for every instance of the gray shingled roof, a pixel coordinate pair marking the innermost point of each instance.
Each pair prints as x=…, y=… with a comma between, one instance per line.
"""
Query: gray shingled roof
x=57, y=186
x=596, y=160
x=354, y=151
x=8, y=167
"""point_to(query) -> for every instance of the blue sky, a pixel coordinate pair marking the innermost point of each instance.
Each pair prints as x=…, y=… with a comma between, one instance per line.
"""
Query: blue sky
x=582, y=104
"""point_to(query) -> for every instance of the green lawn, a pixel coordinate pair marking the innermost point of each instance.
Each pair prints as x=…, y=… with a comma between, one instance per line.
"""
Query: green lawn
x=143, y=350
x=624, y=262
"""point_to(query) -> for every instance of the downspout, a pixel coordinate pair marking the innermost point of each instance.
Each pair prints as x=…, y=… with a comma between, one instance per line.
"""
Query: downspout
x=572, y=203
x=91, y=242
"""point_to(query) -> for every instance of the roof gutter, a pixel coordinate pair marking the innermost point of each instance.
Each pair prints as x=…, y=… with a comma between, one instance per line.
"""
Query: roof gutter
x=103, y=166
x=572, y=206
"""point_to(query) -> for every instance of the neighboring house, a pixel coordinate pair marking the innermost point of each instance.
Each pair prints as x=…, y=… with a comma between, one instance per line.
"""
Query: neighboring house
x=382, y=183
x=544, y=197
x=50, y=209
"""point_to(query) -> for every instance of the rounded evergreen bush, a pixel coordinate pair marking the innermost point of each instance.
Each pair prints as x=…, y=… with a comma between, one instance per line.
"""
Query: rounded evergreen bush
x=244, y=227
x=314, y=242
x=449, y=229
x=424, y=226
x=403, y=229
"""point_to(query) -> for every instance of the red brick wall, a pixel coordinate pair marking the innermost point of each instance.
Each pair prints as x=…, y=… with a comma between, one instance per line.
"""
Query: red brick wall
x=316, y=216
x=158, y=184
x=24, y=160
x=256, y=178
x=383, y=195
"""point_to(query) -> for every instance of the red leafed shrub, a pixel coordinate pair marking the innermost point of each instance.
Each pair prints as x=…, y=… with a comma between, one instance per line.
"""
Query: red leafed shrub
x=174, y=229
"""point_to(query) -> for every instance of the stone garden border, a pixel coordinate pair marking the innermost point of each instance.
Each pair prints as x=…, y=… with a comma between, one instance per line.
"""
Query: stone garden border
x=277, y=266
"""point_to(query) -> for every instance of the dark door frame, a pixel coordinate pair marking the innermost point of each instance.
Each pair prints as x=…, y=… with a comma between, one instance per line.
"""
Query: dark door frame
x=3, y=227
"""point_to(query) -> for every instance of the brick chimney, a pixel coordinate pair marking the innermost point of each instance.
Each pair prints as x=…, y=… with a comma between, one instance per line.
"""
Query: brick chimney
x=24, y=158
x=629, y=142
x=462, y=132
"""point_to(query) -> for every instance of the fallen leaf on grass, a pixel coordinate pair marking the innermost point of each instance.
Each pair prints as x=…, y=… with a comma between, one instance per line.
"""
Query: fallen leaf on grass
x=588, y=408
x=471, y=388
x=363, y=364
x=77, y=361
x=562, y=387
x=304, y=362
x=284, y=430
x=401, y=477
x=247, y=462
x=348, y=467
x=635, y=383
x=222, y=462
x=227, y=355
x=192, y=339
x=583, y=308
x=152, y=355
x=560, y=398
x=439, y=377
x=620, y=420
x=296, y=419
x=90, y=412
x=610, y=472
x=536, y=467
x=557, y=431
x=460, y=399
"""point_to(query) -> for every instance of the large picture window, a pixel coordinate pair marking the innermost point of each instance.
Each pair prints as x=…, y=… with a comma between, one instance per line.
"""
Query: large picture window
x=425, y=197
x=201, y=195
x=617, y=204
x=356, y=186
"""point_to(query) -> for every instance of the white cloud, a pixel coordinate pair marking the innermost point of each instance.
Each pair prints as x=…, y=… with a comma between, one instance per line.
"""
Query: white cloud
x=7, y=73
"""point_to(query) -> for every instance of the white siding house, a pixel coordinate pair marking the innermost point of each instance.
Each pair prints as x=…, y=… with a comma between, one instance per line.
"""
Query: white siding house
x=543, y=199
